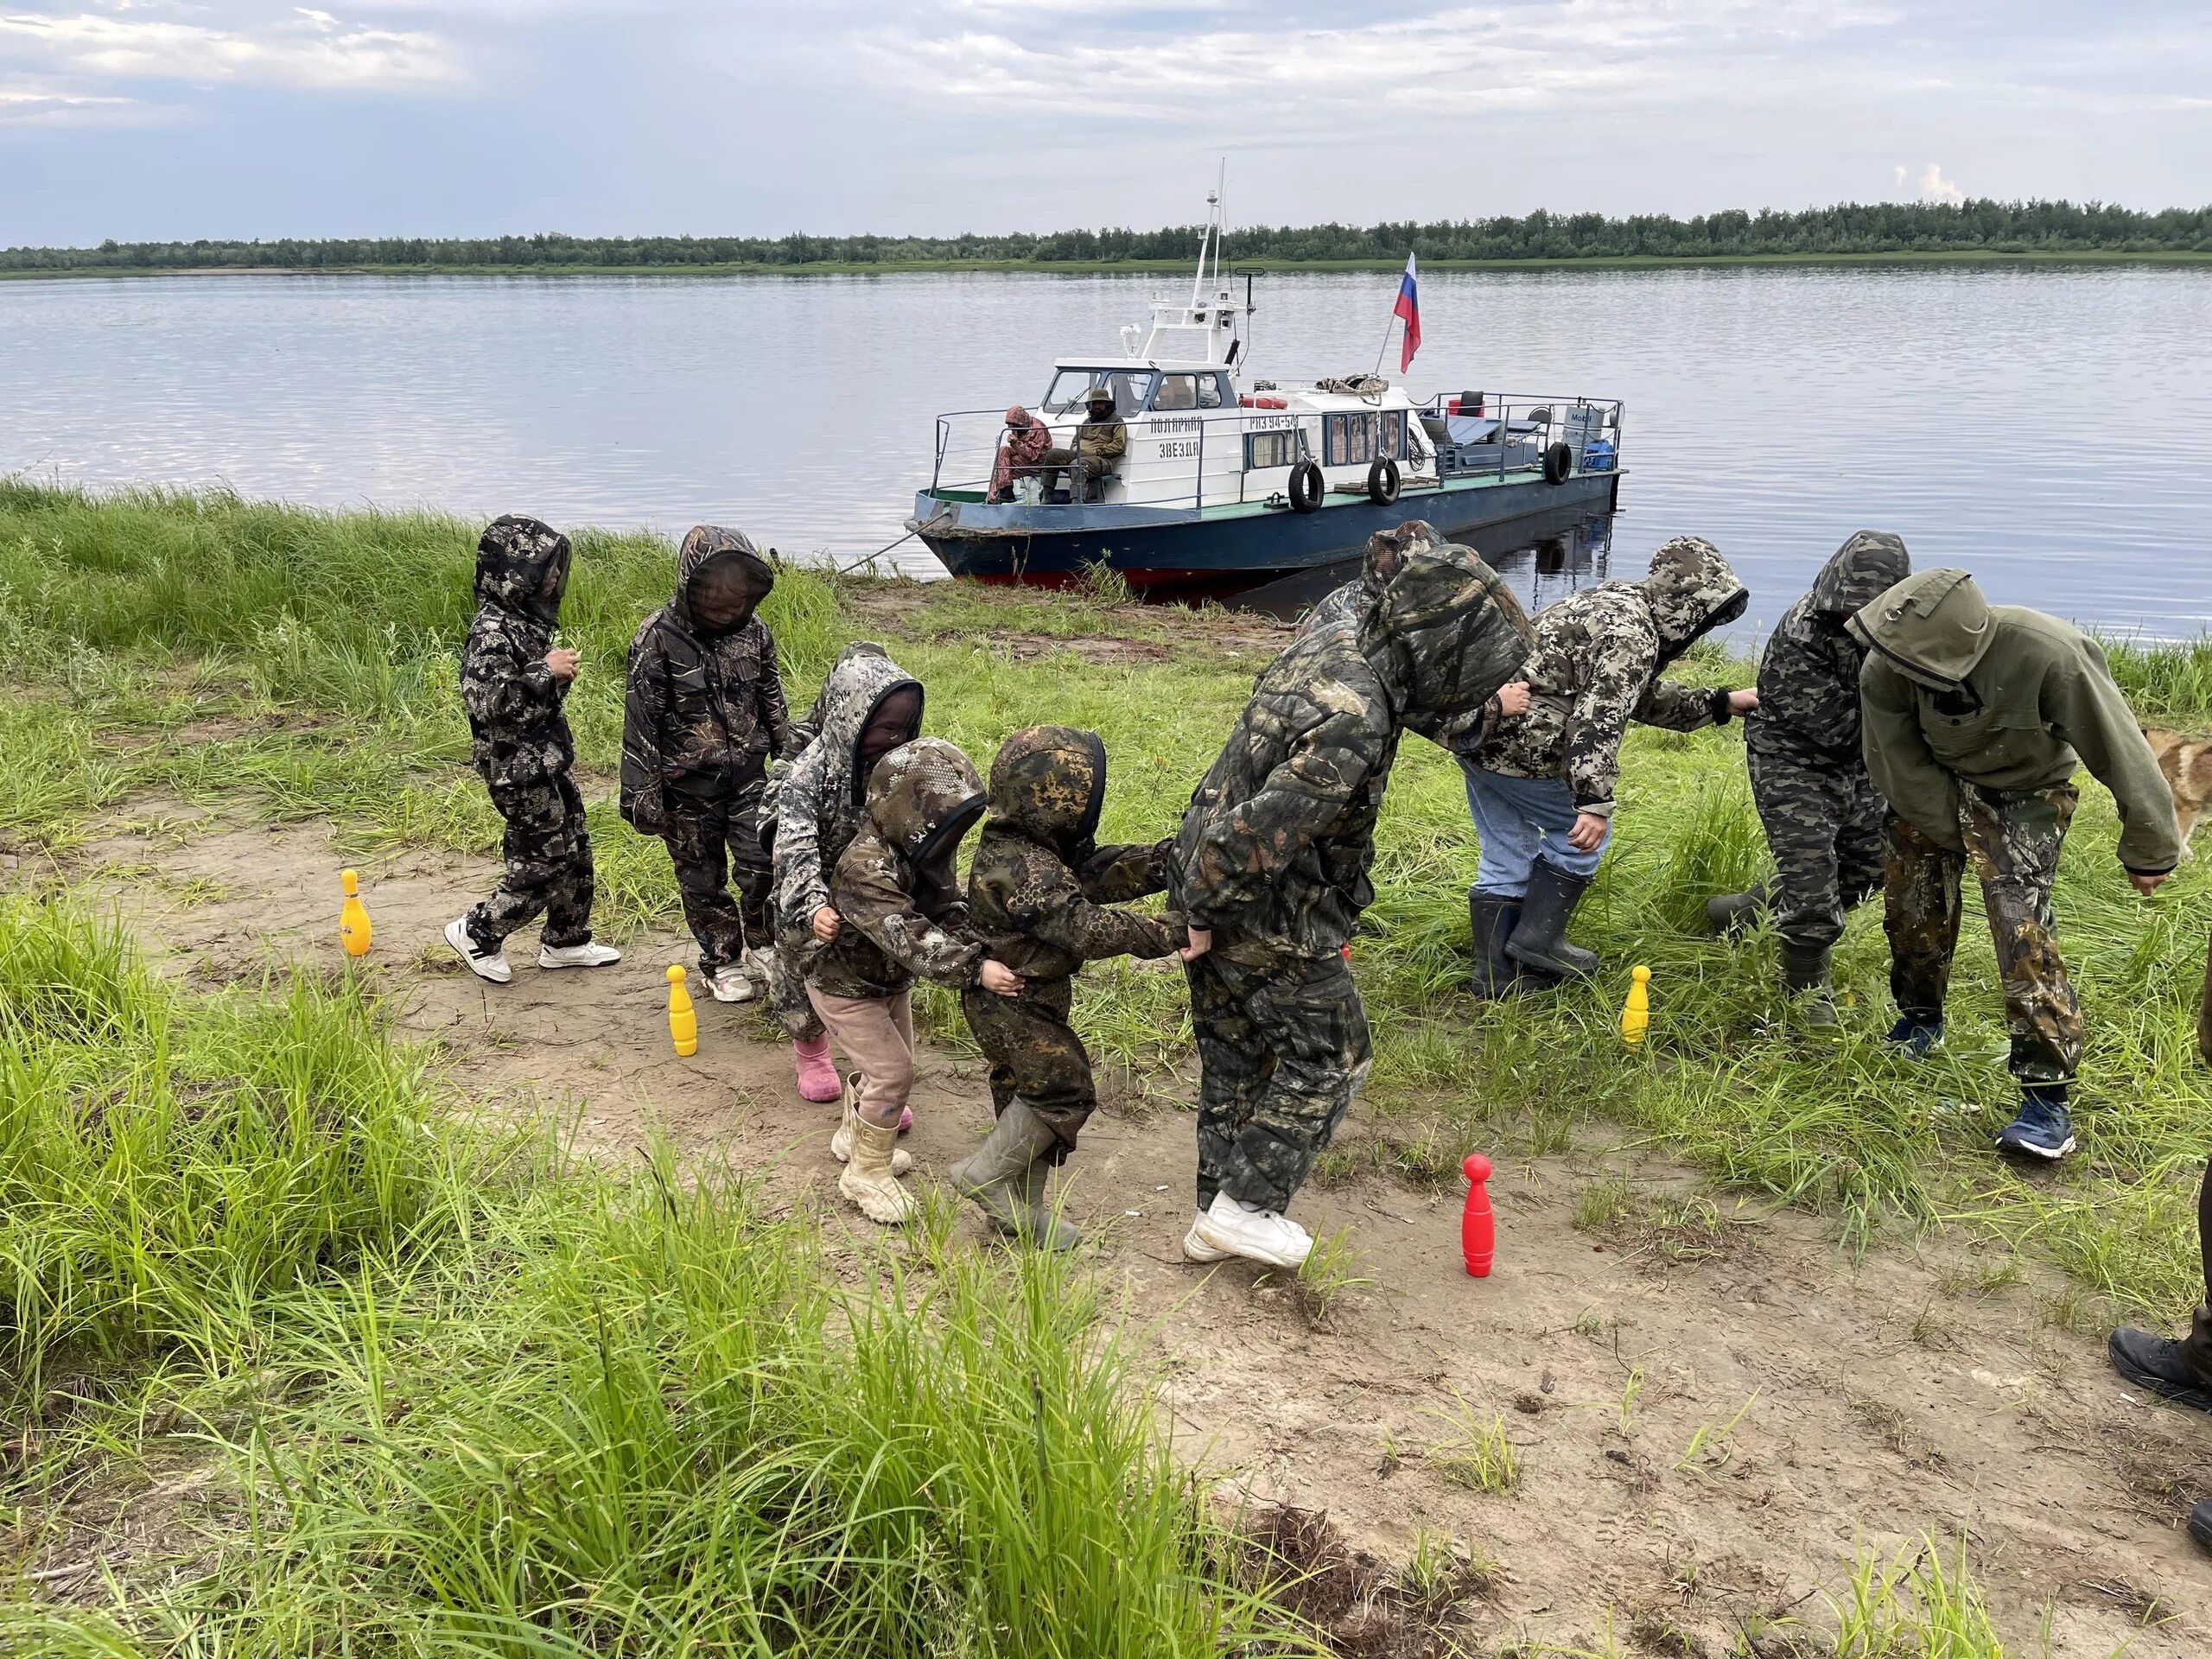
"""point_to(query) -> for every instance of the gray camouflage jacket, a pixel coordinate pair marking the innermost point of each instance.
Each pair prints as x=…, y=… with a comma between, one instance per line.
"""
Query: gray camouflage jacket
x=816, y=805
x=702, y=711
x=895, y=886
x=1809, y=674
x=1277, y=845
x=518, y=731
x=1595, y=666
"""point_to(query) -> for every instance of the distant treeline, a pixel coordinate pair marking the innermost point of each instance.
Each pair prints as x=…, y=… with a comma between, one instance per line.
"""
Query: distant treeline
x=1974, y=226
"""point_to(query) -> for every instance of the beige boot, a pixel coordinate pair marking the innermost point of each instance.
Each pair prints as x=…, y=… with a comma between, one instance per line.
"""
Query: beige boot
x=841, y=1143
x=869, y=1180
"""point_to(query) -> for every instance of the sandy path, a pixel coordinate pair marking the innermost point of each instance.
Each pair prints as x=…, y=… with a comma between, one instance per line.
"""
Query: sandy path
x=1883, y=1398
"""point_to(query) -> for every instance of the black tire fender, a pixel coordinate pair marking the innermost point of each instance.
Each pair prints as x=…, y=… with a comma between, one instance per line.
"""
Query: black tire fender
x=1559, y=464
x=1382, y=482
x=1306, y=487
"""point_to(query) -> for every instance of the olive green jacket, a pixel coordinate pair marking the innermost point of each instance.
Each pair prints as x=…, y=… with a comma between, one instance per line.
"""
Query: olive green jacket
x=2004, y=698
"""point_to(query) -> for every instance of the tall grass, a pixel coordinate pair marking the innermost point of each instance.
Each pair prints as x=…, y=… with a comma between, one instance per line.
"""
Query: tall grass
x=534, y=1416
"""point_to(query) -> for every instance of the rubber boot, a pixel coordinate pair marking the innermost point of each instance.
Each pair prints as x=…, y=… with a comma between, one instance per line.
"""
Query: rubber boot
x=869, y=1180
x=1805, y=977
x=1735, y=914
x=1005, y=1178
x=841, y=1143
x=1539, y=939
x=817, y=1079
x=1491, y=917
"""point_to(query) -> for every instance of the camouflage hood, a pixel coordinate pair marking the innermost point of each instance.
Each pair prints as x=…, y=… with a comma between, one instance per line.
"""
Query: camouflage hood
x=708, y=545
x=1864, y=566
x=858, y=681
x=1443, y=631
x=522, y=566
x=1934, y=628
x=1049, y=784
x=922, y=798
x=1690, y=591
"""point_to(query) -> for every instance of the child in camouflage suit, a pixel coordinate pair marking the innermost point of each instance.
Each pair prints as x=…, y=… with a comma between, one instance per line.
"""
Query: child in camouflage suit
x=703, y=716
x=1035, y=896
x=514, y=681
x=901, y=918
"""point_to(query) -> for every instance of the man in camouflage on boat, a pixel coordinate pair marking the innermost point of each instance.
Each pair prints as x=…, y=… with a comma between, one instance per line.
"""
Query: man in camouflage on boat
x=514, y=683
x=1823, y=817
x=1975, y=718
x=1271, y=869
x=1100, y=443
x=703, y=715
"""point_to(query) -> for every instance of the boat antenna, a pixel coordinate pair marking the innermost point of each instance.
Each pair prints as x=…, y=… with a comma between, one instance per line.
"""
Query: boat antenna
x=1210, y=237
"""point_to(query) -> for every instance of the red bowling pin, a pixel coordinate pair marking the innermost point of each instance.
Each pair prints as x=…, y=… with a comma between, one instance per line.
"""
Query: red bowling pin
x=1478, y=1231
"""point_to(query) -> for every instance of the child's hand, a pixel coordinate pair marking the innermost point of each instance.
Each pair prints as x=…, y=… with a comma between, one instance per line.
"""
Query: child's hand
x=826, y=923
x=1201, y=941
x=1001, y=979
x=562, y=663
x=1588, y=833
x=1513, y=699
x=1742, y=702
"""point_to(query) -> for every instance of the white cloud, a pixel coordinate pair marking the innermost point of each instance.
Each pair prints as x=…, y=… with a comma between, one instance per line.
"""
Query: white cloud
x=301, y=48
x=31, y=106
x=1933, y=186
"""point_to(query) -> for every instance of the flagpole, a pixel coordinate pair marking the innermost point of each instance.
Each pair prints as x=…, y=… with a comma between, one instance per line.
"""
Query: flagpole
x=1385, y=346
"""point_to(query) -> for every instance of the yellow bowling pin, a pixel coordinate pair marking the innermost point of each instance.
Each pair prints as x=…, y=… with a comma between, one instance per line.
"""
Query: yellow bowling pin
x=352, y=916
x=683, y=1023
x=1635, y=1012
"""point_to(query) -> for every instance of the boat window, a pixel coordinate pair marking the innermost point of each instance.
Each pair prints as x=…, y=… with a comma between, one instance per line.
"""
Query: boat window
x=1265, y=450
x=1213, y=392
x=1393, y=434
x=1176, y=391
x=1348, y=440
x=1072, y=388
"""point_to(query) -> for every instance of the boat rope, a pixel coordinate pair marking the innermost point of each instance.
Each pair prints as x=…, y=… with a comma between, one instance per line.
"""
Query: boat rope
x=869, y=558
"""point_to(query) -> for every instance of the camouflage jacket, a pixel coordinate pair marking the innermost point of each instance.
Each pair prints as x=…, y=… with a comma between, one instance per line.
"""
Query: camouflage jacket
x=518, y=734
x=704, y=711
x=819, y=800
x=894, y=886
x=1276, y=844
x=1040, y=884
x=1595, y=666
x=1809, y=674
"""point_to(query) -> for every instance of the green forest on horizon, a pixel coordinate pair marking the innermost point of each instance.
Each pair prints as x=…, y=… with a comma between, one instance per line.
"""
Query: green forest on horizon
x=1852, y=229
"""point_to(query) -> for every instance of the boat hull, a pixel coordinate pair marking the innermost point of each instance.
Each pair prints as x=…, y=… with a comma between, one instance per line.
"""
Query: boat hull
x=1186, y=554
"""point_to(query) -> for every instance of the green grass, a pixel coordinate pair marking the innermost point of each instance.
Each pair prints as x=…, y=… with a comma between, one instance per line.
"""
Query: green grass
x=456, y=1399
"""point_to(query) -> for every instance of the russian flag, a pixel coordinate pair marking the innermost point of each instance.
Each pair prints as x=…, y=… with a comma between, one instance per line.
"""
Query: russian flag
x=1408, y=309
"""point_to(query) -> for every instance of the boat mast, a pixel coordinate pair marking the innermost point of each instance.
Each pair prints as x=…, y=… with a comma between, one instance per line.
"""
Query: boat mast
x=1210, y=237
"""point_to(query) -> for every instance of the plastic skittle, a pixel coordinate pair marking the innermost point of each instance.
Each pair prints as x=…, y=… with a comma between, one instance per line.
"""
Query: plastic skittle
x=683, y=1023
x=354, y=916
x=1635, y=1012
x=1478, y=1231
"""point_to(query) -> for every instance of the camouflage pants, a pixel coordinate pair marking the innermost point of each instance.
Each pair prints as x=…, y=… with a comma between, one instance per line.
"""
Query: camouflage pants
x=709, y=840
x=1035, y=1053
x=2013, y=839
x=787, y=997
x=1281, y=1052
x=1824, y=826
x=548, y=853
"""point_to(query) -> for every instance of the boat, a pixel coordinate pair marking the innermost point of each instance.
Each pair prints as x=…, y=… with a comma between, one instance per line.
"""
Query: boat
x=1229, y=485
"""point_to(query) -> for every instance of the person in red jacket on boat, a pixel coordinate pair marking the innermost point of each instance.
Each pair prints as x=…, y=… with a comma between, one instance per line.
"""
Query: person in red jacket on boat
x=1028, y=440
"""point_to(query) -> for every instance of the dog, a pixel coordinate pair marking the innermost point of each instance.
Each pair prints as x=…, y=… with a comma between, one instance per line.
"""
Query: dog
x=2187, y=763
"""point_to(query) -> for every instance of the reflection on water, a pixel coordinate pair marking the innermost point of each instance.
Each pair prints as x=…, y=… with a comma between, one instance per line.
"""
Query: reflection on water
x=1542, y=558
x=2051, y=430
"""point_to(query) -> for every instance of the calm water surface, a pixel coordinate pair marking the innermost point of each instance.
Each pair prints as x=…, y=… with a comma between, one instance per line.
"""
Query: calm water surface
x=2051, y=430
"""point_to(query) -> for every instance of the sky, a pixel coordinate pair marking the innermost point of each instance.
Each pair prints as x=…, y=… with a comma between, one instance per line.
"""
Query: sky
x=159, y=119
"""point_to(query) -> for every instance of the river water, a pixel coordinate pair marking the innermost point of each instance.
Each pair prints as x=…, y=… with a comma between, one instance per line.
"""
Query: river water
x=2051, y=429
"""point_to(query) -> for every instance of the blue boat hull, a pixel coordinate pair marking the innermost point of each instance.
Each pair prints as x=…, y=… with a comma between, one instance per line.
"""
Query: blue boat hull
x=1184, y=553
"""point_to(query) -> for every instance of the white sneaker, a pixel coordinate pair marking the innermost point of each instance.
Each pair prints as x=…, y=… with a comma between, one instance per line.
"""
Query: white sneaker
x=756, y=964
x=1236, y=1228
x=491, y=965
x=1195, y=1248
x=589, y=954
x=730, y=984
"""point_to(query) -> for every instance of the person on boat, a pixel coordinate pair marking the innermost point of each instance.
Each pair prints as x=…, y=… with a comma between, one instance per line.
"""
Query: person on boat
x=1100, y=443
x=1823, y=817
x=514, y=688
x=1021, y=452
x=2181, y=1370
x=897, y=897
x=1044, y=895
x=703, y=716
x=1540, y=790
x=1975, y=719
x=1270, y=870
x=868, y=706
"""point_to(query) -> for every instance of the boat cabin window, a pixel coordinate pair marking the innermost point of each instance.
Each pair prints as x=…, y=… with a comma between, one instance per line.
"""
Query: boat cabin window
x=1071, y=388
x=1356, y=440
x=1189, y=391
x=1265, y=450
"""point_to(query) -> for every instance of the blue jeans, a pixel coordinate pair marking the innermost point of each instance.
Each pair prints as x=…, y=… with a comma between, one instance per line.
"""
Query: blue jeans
x=1520, y=820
